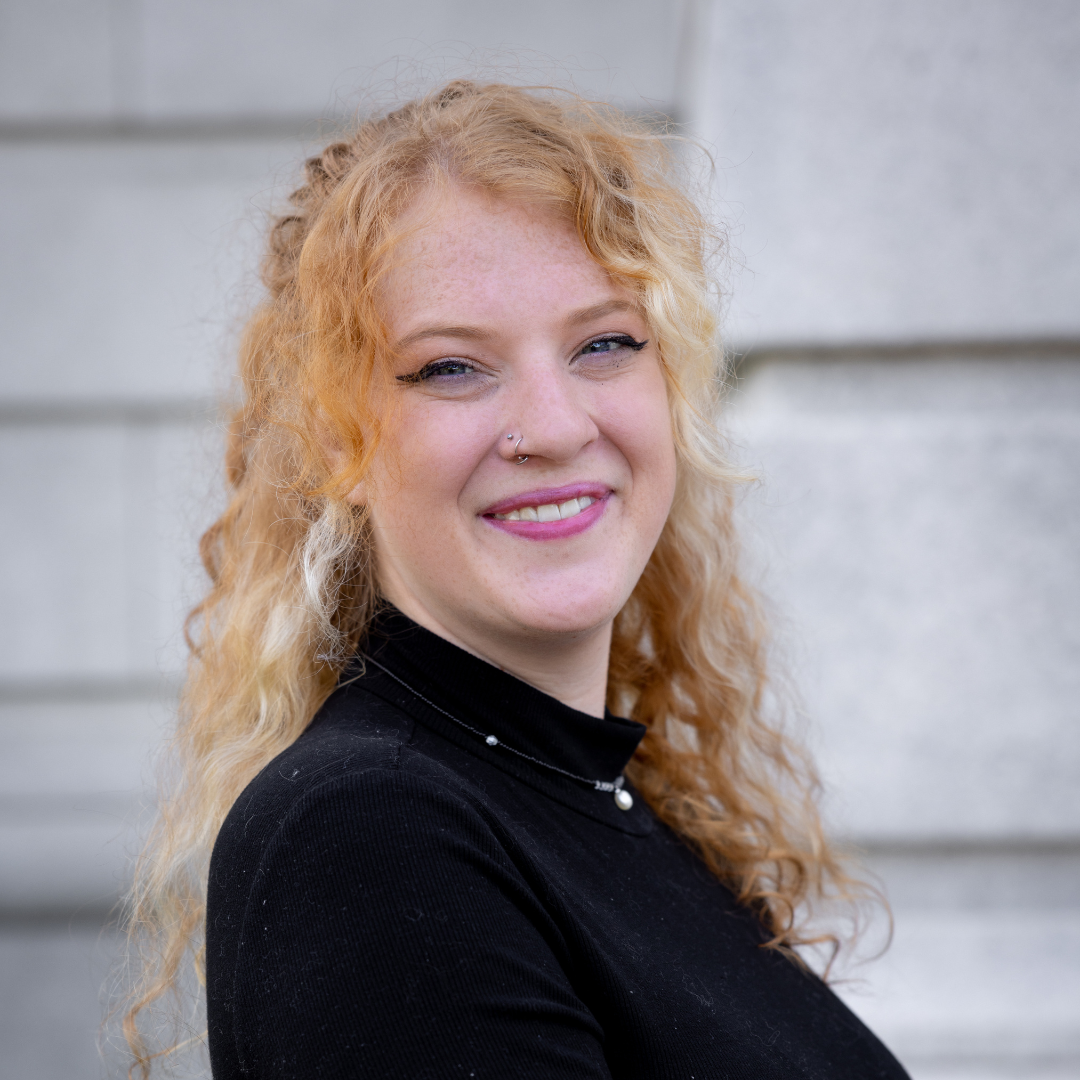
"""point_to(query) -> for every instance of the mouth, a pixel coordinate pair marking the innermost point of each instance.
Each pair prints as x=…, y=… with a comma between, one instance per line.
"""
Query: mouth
x=550, y=513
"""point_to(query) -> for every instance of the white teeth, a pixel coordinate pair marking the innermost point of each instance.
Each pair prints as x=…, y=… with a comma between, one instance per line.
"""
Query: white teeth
x=549, y=511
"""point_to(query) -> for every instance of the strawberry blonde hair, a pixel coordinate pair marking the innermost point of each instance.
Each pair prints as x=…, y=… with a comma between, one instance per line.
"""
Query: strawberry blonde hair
x=292, y=584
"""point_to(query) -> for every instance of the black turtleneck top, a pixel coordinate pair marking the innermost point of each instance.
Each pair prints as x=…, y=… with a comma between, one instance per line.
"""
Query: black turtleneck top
x=392, y=897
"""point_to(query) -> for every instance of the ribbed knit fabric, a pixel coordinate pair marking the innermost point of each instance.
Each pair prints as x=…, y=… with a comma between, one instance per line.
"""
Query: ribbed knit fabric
x=393, y=898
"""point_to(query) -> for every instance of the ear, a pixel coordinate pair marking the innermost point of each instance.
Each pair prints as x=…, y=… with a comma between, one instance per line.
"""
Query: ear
x=335, y=458
x=358, y=495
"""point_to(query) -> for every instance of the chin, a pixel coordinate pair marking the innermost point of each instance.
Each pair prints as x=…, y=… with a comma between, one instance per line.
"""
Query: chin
x=574, y=613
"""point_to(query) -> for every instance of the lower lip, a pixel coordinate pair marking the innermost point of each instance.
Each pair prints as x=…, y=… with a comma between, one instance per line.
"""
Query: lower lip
x=554, y=530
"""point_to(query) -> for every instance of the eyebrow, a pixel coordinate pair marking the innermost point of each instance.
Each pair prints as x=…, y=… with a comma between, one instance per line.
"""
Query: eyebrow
x=598, y=311
x=469, y=333
x=475, y=333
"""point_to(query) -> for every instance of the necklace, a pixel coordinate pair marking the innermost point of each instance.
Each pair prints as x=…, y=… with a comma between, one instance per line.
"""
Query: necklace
x=623, y=799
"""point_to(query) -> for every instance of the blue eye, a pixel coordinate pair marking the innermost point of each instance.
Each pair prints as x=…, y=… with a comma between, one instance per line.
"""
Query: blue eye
x=445, y=367
x=448, y=368
x=612, y=344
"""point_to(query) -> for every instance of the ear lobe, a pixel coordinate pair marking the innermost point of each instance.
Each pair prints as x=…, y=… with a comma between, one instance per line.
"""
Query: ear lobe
x=335, y=458
x=358, y=495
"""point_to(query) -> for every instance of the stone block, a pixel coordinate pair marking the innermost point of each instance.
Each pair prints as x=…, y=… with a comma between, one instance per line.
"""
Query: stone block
x=73, y=779
x=53, y=980
x=989, y=990
x=897, y=172
x=65, y=61
x=918, y=531
x=100, y=563
x=56, y=59
x=185, y=494
x=61, y=863
x=74, y=747
x=64, y=552
x=317, y=58
x=131, y=264
x=982, y=973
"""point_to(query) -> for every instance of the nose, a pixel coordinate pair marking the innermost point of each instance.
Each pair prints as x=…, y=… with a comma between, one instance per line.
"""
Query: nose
x=548, y=413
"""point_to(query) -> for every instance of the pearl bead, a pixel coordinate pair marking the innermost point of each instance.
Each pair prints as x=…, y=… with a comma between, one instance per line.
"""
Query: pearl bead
x=623, y=799
x=491, y=741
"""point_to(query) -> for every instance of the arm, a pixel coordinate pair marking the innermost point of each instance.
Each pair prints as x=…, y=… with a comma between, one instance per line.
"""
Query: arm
x=389, y=934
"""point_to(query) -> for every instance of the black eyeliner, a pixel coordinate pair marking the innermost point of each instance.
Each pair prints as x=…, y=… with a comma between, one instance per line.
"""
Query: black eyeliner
x=428, y=369
x=620, y=339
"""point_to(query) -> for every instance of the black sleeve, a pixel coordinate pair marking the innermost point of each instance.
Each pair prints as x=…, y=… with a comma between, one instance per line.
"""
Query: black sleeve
x=389, y=934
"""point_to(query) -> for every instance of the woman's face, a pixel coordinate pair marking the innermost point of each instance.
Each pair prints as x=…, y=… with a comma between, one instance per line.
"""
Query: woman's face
x=504, y=325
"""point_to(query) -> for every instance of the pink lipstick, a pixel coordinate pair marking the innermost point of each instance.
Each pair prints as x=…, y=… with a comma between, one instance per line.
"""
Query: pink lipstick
x=550, y=513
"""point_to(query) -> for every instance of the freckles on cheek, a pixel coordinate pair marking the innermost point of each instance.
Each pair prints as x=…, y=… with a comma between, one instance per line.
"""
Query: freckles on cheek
x=641, y=425
x=437, y=459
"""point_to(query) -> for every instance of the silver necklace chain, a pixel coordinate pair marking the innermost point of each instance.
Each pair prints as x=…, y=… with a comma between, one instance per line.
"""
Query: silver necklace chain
x=623, y=798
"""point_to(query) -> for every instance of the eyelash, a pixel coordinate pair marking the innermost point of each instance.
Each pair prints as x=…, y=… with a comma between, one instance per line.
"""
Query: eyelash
x=625, y=340
x=437, y=366
x=430, y=369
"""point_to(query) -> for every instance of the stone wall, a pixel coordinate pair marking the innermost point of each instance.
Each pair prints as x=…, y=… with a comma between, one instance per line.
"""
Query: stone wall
x=898, y=182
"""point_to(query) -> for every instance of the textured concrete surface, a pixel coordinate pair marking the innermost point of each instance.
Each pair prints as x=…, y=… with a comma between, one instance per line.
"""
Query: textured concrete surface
x=155, y=58
x=51, y=999
x=71, y=778
x=102, y=558
x=918, y=526
x=977, y=985
x=897, y=169
x=136, y=259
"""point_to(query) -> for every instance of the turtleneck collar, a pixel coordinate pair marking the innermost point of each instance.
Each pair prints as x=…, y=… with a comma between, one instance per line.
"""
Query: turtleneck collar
x=497, y=703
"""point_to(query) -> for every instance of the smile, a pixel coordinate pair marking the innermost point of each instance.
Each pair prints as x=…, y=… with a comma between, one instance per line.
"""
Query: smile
x=548, y=511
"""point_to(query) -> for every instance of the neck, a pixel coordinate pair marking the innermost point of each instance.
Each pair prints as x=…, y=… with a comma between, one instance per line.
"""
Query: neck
x=572, y=668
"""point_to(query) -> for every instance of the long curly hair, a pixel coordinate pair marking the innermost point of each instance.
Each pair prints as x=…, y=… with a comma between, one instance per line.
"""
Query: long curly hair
x=292, y=583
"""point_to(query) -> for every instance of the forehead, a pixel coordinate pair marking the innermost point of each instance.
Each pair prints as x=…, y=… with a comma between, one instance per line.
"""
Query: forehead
x=463, y=250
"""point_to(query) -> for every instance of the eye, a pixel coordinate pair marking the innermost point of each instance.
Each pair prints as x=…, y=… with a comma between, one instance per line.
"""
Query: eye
x=449, y=369
x=611, y=347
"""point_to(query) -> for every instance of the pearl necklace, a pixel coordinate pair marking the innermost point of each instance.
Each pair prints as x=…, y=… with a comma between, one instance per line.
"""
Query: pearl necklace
x=623, y=799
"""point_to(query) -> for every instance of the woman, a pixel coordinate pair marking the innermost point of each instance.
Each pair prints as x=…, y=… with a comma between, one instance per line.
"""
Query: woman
x=478, y=501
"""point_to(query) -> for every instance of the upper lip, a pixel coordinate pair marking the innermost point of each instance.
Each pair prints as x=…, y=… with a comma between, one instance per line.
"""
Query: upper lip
x=546, y=496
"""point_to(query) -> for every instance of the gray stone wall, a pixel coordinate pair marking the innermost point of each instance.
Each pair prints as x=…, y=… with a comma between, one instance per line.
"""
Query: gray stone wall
x=898, y=178
x=897, y=171
x=918, y=520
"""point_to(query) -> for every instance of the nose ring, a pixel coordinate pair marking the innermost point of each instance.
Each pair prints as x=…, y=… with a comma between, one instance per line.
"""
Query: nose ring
x=521, y=458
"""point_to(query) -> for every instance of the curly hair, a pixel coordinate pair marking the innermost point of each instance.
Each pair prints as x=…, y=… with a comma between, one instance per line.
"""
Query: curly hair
x=293, y=588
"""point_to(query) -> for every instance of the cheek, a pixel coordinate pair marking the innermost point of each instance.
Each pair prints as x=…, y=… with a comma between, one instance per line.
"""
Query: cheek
x=648, y=443
x=660, y=465
x=424, y=468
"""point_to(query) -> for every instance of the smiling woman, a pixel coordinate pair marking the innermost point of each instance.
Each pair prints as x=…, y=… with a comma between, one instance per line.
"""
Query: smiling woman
x=481, y=512
x=500, y=320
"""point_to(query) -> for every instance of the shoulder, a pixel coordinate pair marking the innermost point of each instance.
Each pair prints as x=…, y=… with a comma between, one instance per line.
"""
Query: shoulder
x=356, y=889
x=346, y=773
